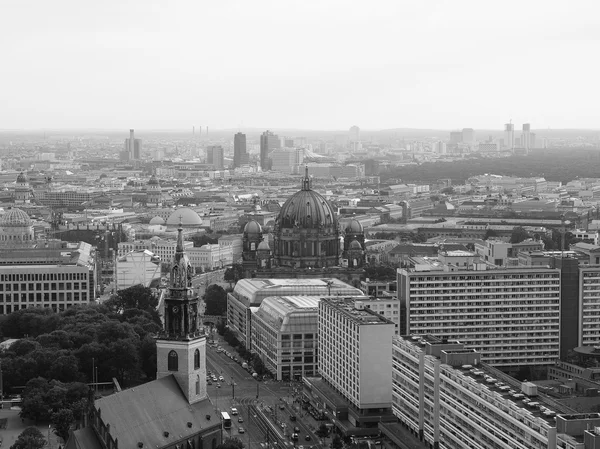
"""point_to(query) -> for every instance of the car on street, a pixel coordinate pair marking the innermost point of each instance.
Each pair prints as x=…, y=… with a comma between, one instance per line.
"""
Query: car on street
x=296, y=429
x=221, y=378
x=307, y=438
x=240, y=419
x=294, y=436
x=281, y=407
x=234, y=411
x=241, y=430
x=218, y=385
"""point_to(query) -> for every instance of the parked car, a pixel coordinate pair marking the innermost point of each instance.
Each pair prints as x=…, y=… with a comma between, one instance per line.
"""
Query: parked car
x=240, y=419
x=241, y=430
x=307, y=438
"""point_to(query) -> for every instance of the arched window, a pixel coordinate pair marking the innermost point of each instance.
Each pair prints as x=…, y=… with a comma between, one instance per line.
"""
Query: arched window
x=196, y=359
x=197, y=384
x=173, y=361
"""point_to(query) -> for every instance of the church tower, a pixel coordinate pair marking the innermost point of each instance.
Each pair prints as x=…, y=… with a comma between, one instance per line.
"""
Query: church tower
x=22, y=190
x=153, y=193
x=181, y=347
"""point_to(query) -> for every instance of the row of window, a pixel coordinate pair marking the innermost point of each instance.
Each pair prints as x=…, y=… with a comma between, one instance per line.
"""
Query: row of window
x=20, y=277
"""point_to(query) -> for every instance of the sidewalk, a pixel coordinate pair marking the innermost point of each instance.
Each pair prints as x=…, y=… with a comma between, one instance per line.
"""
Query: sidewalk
x=15, y=426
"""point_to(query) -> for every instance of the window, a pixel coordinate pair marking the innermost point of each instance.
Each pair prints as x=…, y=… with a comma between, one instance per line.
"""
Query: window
x=197, y=382
x=196, y=359
x=173, y=361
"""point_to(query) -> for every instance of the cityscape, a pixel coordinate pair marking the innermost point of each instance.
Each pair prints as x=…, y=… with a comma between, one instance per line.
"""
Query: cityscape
x=299, y=225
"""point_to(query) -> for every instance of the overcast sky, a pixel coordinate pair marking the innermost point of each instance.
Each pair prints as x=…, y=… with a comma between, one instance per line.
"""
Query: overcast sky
x=318, y=64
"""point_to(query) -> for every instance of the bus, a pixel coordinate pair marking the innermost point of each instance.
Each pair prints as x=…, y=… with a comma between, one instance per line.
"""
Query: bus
x=226, y=420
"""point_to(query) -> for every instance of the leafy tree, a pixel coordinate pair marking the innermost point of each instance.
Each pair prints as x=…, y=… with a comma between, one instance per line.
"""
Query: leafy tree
x=489, y=233
x=447, y=190
x=234, y=273
x=518, y=235
x=215, y=299
x=135, y=297
x=258, y=365
x=221, y=327
x=30, y=438
x=148, y=356
x=337, y=442
x=231, y=443
x=62, y=421
x=200, y=240
x=322, y=431
x=377, y=273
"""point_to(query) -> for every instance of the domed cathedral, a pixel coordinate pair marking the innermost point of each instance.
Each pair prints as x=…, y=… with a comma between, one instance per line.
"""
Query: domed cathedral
x=354, y=245
x=181, y=347
x=306, y=231
x=307, y=242
x=22, y=193
x=16, y=229
x=153, y=193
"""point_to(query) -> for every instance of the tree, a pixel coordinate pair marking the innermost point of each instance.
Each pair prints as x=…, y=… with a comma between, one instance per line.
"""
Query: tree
x=231, y=443
x=200, y=240
x=215, y=299
x=322, y=431
x=30, y=438
x=337, y=442
x=489, y=234
x=234, y=273
x=518, y=235
x=62, y=421
x=135, y=297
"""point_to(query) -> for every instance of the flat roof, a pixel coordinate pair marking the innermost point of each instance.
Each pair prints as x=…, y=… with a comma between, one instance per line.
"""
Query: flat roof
x=361, y=315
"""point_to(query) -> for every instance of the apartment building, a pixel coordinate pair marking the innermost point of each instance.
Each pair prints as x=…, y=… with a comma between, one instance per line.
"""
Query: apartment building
x=446, y=396
x=510, y=315
x=589, y=306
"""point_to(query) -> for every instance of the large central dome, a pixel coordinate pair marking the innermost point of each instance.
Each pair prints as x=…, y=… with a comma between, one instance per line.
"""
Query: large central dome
x=306, y=209
x=306, y=232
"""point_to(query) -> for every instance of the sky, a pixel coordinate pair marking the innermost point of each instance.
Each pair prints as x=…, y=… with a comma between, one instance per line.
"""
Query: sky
x=306, y=64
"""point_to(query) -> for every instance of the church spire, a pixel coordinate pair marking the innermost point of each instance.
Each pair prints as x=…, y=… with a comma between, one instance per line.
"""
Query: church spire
x=306, y=180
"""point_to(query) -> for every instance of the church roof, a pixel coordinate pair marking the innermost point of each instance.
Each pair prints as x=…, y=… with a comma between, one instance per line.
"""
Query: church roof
x=144, y=413
x=15, y=217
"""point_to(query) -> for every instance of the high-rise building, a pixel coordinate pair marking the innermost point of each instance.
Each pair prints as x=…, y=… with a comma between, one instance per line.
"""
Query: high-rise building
x=509, y=136
x=445, y=395
x=268, y=143
x=531, y=140
x=354, y=134
x=355, y=363
x=440, y=147
x=240, y=157
x=456, y=137
x=468, y=135
x=287, y=159
x=510, y=315
x=133, y=147
x=526, y=136
x=215, y=156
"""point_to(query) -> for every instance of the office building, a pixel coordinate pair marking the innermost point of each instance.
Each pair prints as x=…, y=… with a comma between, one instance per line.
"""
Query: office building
x=215, y=156
x=526, y=136
x=440, y=147
x=133, y=147
x=589, y=306
x=268, y=143
x=285, y=334
x=137, y=268
x=510, y=315
x=209, y=257
x=468, y=136
x=287, y=160
x=250, y=292
x=57, y=277
x=355, y=364
x=240, y=155
x=455, y=137
x=509, y=136
x=446, y=396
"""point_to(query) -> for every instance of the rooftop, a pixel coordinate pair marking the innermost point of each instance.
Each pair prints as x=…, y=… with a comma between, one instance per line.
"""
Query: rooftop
x=355, y=310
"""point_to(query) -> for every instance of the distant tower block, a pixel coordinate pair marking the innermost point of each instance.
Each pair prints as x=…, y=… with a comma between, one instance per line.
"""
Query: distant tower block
x=509, y=136
x=207, y=130
x=526, y=137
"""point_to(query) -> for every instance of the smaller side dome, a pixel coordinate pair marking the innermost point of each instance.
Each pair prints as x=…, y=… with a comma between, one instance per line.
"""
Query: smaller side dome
x=264, y=245
x=355, y=245
x=153, y=181
x=252, y=227
x=354, y=227
x=22, y=177
x=157, y=221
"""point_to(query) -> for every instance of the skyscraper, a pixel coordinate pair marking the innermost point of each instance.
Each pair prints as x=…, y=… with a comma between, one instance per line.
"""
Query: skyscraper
x=268, y=143
x=509, y=136
x=468, y=135
x=526, y=136
x=214, y=156
x=239, y=150
x=133, y=147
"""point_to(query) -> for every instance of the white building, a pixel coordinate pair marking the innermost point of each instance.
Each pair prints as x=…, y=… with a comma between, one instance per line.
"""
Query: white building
x=251, y=292
x=355, y=347
x=510, y=315
x=137, y=267
x=444, y=394
x=284, y=335
x=209, y=257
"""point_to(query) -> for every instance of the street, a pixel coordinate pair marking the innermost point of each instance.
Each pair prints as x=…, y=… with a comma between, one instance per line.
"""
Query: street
x=272, y=402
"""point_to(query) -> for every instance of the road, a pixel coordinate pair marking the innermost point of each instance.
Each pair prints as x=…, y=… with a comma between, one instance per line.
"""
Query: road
x=250, y=397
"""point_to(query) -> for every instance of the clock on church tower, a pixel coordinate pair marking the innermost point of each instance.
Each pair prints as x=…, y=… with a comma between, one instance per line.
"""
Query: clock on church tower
x=181, y=346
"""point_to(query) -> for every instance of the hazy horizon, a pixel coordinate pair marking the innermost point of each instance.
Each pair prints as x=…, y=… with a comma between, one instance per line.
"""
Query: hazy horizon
x=316, y=65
